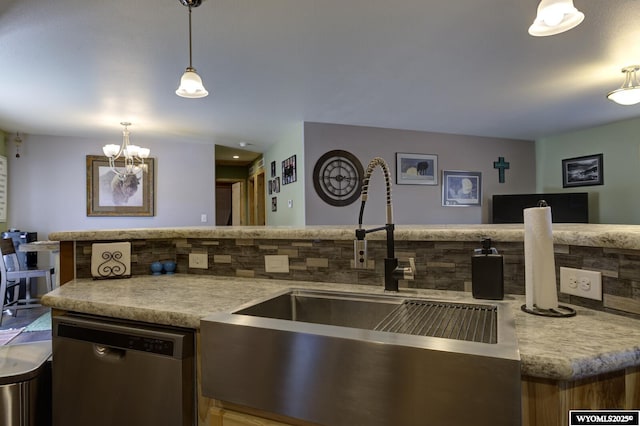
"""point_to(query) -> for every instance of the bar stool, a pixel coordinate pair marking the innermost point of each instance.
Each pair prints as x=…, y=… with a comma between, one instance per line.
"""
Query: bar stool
x=11, y=279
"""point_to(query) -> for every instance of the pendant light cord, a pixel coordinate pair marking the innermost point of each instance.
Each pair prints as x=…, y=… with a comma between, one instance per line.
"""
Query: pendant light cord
x=190, y=59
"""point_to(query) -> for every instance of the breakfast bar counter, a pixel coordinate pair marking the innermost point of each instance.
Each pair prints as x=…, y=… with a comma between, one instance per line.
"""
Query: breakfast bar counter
x=582, y=234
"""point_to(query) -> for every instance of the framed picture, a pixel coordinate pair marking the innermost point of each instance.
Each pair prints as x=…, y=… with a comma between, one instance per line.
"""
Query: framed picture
x=582, y=171
x=289, y=170
x=271, y=186
x=273, y=169
x=276, y=185
x=274, y=204
x=107, y=195
x=416, y=169
x=461, y=188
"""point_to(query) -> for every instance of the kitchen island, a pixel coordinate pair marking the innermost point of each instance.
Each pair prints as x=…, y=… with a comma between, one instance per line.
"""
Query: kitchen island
x=589, y=361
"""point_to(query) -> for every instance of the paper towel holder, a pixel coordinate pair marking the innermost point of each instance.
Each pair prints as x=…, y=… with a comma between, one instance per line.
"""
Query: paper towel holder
x=559, y=312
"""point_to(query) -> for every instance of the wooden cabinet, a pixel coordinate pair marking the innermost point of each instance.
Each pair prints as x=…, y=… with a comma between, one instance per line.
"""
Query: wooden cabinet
x=547, y=402
x=223, y=417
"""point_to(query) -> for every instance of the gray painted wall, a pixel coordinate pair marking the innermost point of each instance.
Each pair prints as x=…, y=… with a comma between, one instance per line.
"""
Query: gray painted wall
x=47, y=184
x=415, y=204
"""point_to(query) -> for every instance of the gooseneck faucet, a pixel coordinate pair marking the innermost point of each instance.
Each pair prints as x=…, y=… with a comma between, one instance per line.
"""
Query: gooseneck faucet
x=392, y=273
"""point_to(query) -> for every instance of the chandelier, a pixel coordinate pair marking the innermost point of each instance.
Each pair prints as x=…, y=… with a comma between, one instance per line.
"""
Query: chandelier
x=133, y=156
x=191, y=84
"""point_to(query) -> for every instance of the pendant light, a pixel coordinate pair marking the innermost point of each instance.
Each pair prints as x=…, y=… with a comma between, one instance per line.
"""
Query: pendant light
x=555, y=17
x=629, y=93
x=191, y=84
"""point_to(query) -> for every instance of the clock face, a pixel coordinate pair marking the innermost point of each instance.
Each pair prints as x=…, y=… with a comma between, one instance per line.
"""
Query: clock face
x=337, y=177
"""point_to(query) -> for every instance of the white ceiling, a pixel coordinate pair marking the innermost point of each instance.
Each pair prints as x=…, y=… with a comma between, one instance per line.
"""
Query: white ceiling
x=79, y=68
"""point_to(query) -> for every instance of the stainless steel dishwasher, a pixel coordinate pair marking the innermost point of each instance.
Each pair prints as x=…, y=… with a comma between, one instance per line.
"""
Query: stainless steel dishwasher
x=108, y=372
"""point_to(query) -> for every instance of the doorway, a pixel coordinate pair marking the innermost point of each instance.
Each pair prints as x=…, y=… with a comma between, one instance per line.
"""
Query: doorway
x=231, y=206
x=239, y=187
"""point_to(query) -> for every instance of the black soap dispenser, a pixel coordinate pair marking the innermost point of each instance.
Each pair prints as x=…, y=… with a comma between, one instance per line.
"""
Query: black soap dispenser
x=487, y=279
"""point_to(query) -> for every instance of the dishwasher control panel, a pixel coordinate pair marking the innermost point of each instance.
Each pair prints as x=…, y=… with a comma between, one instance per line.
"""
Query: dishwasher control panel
x=148, y=344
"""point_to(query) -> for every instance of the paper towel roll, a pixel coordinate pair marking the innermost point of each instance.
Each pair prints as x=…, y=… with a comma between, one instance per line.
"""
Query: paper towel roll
x=539, y=263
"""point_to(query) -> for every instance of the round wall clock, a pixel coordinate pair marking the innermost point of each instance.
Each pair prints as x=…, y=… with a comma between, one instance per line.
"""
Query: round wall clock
x=337, y=177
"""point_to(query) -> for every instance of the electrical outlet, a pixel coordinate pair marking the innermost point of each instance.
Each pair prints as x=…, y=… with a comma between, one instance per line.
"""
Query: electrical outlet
x=198, y=261
x=276, y=263
x=203, y=218
x=579, y=282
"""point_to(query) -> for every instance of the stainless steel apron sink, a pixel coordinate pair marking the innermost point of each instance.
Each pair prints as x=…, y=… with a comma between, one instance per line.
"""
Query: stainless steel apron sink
x=339, y=358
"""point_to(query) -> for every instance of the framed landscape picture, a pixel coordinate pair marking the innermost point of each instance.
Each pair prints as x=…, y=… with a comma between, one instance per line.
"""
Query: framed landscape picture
x=582, y=171
x=107, y=195
x=461, y=188
x=416, y=169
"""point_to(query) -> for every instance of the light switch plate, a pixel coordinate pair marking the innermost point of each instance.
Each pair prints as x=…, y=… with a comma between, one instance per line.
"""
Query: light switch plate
x=580, y=282
x=276, y=263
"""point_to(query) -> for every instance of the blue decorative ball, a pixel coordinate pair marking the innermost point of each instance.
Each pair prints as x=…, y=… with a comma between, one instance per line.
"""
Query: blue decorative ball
x=156, y=268
x=169, y=267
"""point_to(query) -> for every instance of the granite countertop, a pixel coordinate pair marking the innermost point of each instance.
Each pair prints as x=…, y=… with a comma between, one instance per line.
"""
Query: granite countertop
x=593, y=235
x=590, y=343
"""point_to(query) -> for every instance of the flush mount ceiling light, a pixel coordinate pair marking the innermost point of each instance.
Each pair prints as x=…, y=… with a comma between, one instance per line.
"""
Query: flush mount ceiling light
x=629, y=93
x=191, y=83
x=133, y=156
x=555, y=17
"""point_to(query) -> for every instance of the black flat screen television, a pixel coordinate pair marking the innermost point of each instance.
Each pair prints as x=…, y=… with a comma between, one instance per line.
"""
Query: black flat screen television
x=567, y=207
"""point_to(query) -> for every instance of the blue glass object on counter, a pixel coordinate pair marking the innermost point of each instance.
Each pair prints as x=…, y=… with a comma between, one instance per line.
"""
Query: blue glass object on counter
x=156, y=268
x=169, y=266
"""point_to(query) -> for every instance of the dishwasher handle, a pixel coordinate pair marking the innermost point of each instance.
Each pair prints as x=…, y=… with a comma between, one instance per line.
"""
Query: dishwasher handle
x=108, y=353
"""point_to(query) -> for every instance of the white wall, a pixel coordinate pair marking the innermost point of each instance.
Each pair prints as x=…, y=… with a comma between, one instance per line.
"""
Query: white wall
x=47, y=184
x=416, y=204
x=290, y=145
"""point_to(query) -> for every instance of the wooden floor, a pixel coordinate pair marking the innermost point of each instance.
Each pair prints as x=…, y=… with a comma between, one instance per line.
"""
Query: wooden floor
x=22, y=318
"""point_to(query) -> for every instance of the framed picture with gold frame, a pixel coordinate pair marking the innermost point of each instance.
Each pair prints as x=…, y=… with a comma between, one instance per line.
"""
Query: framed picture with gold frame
x=107, y=195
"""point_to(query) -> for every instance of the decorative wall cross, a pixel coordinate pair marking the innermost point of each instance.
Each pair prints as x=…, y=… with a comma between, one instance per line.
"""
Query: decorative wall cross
x=501, y=165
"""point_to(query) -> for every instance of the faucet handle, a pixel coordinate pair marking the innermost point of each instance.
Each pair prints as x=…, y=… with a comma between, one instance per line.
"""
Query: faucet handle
x=409, y=273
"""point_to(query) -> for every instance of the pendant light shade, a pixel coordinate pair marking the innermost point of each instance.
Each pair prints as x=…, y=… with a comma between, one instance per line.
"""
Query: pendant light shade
x=629, y=93
x=555, y=17
x=190, y=83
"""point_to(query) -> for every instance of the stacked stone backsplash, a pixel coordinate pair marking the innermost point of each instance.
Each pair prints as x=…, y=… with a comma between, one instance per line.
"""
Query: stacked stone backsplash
x=440, y=265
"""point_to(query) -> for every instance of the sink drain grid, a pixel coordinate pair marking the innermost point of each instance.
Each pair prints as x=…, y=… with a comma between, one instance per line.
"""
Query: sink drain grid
x=459, y=321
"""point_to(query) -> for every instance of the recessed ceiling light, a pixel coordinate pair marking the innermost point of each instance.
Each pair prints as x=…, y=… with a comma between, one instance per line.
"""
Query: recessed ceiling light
x=235, y=157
